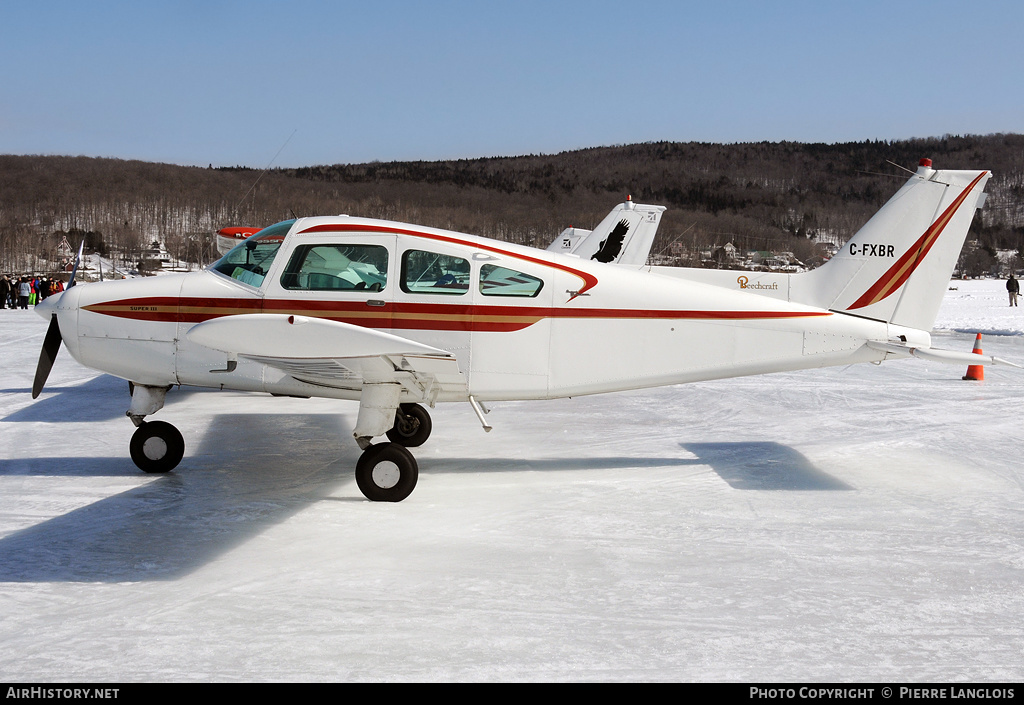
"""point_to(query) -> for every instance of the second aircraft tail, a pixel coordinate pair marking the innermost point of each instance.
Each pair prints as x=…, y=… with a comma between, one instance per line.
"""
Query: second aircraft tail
x=624, y=236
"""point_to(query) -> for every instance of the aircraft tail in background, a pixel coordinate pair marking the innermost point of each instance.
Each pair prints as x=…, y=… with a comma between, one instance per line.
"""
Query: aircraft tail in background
x=624, y=236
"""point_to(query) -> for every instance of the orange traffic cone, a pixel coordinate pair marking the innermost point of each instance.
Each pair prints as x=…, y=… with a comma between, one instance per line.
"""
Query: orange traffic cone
x=976, y=371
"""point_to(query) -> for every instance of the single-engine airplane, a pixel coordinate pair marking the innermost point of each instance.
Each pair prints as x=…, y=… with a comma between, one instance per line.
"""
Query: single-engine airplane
x=396, y=316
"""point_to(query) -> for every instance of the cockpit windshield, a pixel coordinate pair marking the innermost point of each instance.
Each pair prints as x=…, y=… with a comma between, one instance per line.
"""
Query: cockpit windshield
x=249, y=261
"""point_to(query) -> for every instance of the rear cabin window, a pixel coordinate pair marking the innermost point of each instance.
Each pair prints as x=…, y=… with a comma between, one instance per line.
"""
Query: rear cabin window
x=432, y=273
x=502, y=281
x=336, y=267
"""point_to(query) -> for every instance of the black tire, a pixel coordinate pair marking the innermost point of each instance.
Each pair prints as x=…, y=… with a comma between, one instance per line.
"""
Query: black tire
x=412, y=426
x=157, y=446
x=386, y=472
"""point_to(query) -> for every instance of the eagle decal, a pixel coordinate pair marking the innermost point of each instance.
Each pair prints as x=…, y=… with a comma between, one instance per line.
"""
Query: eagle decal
x=612, y=245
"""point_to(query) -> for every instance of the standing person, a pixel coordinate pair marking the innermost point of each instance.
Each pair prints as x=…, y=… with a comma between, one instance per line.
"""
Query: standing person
x=1013, y=288
x=5, y=291
x=24, y=291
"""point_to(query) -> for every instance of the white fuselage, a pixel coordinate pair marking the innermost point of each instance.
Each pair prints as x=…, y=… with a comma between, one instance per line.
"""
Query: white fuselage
x=521, y=323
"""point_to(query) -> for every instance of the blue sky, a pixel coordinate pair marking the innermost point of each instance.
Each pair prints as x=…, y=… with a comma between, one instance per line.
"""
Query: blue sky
x=226, y=83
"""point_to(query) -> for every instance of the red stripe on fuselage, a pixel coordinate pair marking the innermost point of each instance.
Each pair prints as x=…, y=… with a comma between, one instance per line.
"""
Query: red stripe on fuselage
x=407, y=316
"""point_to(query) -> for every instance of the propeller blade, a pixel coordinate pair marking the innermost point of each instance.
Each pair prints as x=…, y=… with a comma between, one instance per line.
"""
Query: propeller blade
x=74, y=270
x=51, y=344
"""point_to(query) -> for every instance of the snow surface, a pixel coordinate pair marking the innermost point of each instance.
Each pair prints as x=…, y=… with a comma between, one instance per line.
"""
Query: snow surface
x=847, y=524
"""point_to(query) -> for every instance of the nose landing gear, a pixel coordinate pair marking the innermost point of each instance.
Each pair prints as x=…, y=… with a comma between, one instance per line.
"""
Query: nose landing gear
x=156, y=446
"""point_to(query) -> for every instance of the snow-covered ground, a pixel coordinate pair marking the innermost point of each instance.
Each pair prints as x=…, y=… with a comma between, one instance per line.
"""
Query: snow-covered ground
x=846, y=524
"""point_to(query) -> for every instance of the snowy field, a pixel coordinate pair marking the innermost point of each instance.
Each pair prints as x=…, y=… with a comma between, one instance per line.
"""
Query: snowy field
x=846, y=524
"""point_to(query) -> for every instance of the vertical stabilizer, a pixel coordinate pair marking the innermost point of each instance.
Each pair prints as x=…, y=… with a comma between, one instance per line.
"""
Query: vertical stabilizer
x=624, y=236
x=897, y=267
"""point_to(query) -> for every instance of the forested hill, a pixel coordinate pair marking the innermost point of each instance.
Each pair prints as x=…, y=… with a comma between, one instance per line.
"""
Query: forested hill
x=757, y=195
x=753, y=189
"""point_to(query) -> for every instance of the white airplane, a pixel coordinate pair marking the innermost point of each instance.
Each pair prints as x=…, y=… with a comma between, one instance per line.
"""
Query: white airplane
x=397, y=316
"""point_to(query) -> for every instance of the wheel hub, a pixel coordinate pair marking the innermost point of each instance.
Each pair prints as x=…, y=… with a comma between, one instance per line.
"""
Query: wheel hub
x=155, y=448
x=386, y=475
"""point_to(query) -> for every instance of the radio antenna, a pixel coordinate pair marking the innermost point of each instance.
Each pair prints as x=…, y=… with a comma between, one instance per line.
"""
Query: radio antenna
x=266, y=168
x=898, y=166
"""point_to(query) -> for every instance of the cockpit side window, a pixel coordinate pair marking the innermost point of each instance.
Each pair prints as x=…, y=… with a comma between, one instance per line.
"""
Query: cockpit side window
x=337, y=267
x=433, y=273
x=502, y=281
x=250, y=260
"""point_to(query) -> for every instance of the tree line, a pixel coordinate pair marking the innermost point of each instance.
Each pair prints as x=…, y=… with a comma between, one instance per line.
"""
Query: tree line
x=764, y=196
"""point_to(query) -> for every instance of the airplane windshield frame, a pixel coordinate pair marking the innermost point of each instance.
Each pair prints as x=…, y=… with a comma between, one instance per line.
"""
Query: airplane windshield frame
x=250, y=260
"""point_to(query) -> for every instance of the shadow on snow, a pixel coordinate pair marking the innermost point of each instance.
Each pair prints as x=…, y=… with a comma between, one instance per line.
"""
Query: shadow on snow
x=252, y=471
x=763, y=465
x=177, y=522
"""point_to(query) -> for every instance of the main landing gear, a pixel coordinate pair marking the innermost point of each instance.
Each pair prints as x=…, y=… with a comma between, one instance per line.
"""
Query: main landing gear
x=412, y=426
x=387, y=472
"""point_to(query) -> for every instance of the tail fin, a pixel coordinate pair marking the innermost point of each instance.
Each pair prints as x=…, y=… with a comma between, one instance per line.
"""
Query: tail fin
x=897, y=267
x=625, y=236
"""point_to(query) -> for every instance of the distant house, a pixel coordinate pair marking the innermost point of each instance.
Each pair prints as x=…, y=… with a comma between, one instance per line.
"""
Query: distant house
x=64, y=248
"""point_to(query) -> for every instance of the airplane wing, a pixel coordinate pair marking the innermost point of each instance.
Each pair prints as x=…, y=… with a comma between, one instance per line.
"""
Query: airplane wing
x=333, y=354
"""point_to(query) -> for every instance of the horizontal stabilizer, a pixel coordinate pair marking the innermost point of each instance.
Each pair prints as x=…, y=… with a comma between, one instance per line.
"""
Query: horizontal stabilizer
x=567, y=240
x=938, y=355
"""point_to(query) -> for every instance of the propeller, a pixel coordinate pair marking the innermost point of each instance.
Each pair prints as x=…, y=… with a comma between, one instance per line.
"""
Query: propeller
x=51, y=343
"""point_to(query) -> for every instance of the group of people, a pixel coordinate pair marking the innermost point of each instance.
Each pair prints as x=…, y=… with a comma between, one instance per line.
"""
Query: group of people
x=25, y=291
